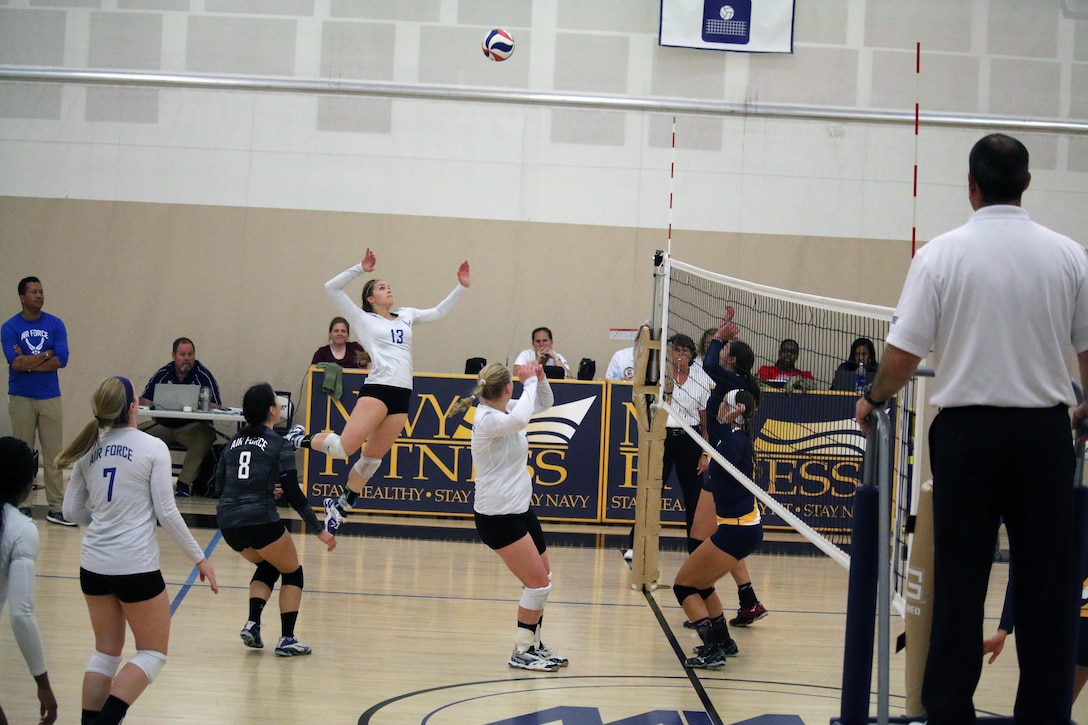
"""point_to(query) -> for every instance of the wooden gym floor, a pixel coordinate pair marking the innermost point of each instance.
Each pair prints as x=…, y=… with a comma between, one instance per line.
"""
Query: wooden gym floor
x=412, y=621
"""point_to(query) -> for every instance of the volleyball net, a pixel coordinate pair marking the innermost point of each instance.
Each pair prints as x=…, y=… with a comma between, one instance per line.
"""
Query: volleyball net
x=809, y=450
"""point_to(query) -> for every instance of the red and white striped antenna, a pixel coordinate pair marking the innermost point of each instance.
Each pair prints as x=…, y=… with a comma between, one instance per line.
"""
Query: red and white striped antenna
x=917, y=86
x=672, y=179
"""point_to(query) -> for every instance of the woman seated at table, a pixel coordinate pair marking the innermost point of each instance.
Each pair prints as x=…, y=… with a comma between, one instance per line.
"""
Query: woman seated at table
x=345, y=353
x=859, y=368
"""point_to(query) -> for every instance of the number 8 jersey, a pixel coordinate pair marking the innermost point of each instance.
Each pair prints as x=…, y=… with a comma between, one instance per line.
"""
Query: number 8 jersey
x=246, y=477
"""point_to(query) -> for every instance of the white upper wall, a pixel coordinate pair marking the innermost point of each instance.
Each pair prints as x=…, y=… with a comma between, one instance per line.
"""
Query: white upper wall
x=449, y=158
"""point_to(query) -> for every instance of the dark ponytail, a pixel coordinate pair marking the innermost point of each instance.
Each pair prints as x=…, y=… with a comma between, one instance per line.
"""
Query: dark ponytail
x=255, y=404
x=744, y=359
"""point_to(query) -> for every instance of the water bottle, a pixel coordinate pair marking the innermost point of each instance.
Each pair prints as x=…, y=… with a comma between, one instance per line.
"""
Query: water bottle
x=859, y=379
x=204, y=401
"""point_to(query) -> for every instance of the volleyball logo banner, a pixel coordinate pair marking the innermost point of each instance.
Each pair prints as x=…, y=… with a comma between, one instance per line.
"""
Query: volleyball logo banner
x=749, y=26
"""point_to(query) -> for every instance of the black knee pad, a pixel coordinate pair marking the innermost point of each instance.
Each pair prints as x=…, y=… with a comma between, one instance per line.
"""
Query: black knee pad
x=294, y=579
x=266, y=574
x=705, y=593
x=682, y=592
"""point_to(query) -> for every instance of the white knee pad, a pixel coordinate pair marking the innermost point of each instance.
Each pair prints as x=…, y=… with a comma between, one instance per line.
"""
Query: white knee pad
x=534, y=599
x=104, y=664
x=334, y=448
x=366, y=466
x=150, y=661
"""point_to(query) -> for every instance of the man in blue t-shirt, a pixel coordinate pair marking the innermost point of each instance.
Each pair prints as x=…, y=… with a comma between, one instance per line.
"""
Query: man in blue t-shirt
x=36, y=346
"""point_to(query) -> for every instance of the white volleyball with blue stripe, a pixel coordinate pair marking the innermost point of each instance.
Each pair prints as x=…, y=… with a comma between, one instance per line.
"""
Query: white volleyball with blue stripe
x=498, y=44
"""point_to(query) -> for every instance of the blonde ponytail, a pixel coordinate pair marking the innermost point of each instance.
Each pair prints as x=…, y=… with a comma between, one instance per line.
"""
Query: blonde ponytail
x=492, y=381
x=110, y=408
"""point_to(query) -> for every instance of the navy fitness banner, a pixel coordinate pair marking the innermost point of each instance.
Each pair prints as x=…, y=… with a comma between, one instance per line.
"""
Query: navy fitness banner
x=583, y=454
x=429, y=469
x=809, y=453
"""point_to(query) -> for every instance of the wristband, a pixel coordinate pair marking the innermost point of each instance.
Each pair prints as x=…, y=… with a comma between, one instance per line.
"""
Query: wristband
x=867, y=395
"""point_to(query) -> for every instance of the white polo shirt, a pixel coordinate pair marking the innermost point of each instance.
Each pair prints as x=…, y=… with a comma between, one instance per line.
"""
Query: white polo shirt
x=999, y=301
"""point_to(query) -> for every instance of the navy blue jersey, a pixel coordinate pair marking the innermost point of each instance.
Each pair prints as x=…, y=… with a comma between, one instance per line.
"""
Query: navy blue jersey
x=724, y=381
x=731, y=498
x=246, y=478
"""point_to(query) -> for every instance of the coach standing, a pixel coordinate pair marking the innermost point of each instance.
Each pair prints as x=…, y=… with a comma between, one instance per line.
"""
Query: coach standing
x=36, y=346
x=998, y=300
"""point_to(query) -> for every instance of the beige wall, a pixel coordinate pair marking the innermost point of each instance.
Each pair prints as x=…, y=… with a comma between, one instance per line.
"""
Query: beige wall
x=247, y=284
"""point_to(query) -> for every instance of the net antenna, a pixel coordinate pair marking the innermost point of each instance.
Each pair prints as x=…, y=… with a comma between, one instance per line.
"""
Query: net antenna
x=809, y=450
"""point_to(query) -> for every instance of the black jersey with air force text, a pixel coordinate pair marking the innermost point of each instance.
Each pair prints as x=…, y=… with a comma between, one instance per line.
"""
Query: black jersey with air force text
x=246, y=478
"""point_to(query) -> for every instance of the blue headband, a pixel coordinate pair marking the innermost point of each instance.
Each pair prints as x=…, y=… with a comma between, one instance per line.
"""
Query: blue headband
x=130, y=397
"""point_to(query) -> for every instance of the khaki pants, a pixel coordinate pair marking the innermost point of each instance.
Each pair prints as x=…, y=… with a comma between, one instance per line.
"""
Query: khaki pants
x=46, y=419
x=196, y=437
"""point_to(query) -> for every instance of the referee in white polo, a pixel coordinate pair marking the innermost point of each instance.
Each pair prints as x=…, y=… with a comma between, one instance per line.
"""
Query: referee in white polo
x=999, y=301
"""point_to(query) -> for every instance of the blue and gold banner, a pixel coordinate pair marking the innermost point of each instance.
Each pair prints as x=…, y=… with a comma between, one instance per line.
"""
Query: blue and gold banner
x=809, y=452
x=583, y=454
x=429, y=469
x=622, y=464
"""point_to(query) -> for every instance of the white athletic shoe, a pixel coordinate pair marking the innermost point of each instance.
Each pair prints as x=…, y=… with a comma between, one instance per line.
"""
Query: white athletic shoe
x=547, y=653
x=530, y=659
x=251, y=635
x=295, y=435
x=334, y=515
x=291, y=647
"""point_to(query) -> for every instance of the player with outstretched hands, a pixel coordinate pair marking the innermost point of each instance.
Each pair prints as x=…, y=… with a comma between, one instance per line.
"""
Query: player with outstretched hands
x=381, y=411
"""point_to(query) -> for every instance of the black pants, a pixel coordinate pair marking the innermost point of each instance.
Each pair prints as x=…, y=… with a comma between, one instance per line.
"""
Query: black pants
x=681, y=453
x=1017, y=464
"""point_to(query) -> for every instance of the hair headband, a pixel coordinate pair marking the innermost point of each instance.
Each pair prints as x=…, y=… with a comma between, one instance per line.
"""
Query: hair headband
x=130, y=397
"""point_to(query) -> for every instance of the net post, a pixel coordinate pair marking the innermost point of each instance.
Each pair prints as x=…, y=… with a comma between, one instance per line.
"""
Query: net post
x=918, y=589
x=870, y=581
x=645, y=564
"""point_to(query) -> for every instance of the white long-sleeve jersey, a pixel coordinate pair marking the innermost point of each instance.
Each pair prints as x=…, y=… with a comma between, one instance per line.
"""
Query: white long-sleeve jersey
x=500, y=449
x=18, y=552
x=118, y=490
x=389, y=342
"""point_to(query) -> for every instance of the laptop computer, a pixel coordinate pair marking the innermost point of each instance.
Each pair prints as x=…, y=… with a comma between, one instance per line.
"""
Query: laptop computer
x=555, y=372
x=175, y=397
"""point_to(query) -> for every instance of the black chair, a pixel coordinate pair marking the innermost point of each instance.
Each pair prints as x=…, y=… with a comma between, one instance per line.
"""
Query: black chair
x=587, y=369
x=474, y=365
x=287, y=412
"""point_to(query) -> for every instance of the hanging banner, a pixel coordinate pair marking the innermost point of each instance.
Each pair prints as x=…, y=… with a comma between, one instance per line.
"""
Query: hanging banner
x=583, y=454
x=749, y=26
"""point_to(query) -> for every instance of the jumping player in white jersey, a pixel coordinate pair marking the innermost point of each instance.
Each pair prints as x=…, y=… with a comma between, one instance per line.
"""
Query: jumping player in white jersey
x=504, y=516
x=119, y=490
x=382, y=409
x=254, y=461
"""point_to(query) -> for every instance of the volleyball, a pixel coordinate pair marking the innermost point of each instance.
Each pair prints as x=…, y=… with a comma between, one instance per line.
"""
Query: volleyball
x=498, y=45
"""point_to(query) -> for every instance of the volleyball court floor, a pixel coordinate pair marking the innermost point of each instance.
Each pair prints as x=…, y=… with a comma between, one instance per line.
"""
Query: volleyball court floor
x=412, y=621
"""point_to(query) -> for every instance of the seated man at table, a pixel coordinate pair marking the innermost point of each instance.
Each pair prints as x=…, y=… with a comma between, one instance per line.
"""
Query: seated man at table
x=785, y=367
x=197, y=436
x=541, y=352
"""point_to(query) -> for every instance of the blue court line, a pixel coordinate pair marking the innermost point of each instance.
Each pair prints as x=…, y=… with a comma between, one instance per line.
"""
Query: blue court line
x=194, y=574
